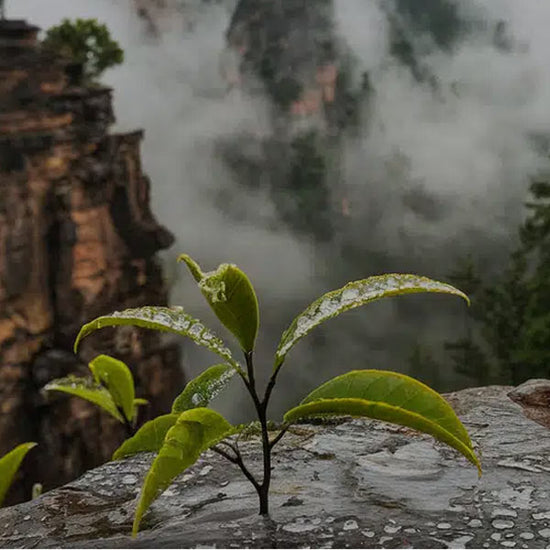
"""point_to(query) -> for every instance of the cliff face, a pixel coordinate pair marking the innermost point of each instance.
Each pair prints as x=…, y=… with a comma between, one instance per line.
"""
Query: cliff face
x=77, y=239
x=289, y=51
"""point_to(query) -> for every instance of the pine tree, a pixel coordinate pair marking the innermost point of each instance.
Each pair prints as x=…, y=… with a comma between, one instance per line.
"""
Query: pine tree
x=507, y=336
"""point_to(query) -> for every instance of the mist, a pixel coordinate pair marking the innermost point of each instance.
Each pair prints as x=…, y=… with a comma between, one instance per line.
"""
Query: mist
x=441, y=169
x=432, y=174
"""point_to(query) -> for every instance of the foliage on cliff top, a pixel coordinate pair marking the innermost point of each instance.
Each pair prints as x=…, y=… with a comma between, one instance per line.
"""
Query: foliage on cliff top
x=86, y=42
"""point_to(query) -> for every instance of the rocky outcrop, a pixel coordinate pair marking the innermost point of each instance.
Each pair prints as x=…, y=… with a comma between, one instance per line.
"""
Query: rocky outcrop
x=353, y=484
x=77, y=239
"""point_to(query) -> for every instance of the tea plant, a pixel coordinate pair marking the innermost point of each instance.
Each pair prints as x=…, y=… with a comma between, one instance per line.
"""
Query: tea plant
x=111, y=388
x=180, y=437
x=9, y=464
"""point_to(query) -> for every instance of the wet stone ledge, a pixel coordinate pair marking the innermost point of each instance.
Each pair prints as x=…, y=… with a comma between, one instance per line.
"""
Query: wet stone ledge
x=354, y=484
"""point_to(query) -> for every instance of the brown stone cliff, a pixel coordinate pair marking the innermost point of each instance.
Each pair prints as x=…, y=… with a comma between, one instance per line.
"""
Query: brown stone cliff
x=77, y=240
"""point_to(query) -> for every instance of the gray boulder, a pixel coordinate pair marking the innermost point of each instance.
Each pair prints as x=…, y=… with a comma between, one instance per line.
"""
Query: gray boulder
x=357, y=483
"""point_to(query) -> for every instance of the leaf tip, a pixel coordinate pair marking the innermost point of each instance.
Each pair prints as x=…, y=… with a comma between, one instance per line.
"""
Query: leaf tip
x=466, y=297
x=478, y=466
x=84, y=331
x=77, y=341
x=192, y=265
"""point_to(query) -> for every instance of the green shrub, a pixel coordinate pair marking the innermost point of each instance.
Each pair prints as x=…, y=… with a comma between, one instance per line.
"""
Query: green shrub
x=180, y=437
x=86, y=42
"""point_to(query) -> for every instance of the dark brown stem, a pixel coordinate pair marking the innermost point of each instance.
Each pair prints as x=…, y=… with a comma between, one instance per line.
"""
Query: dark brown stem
x=261, y=411
x=128, y=425
x=264, y=492
x=225, y=454
x=238, y=460
x=280, y=436
x=271, y=385
x=234, y=448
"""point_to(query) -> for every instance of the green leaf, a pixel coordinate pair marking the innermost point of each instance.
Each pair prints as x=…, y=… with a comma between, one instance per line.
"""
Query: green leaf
x=391, y=397
x=202, y=389
x=195, y=431
x=117, y=378
x=86, y=388
x=169, y=319
x=9, y=464
x=149, y=438
x=353, y=295
x=231, y=295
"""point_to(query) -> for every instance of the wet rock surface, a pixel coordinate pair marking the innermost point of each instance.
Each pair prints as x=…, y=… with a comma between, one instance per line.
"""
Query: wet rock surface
x=355, y=484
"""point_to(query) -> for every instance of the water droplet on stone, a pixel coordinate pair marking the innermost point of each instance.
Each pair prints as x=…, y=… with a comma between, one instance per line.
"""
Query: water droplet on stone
x=502, y=524
x=503, y=512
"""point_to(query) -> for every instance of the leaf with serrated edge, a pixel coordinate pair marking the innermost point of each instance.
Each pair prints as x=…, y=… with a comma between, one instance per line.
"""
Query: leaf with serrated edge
x=194, y=432
x=88, y=389
x=202, y=389
x=9, y=464
x=118, y=379
x=391, y=397
x=149, y=438
x=231, y=296
x=169, y=319
x=353, y=295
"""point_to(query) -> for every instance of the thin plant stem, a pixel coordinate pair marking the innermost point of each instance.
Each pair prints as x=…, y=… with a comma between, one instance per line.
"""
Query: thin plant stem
x=234, y=448
x=261, y=410
x=279, y=436
x=271, y=385
x=225, y=454
x=129, y=427
x=237, y=459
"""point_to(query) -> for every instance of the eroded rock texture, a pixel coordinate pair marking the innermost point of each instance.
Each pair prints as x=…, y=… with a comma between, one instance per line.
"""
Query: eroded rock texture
x=351, y=485
x=77, y=239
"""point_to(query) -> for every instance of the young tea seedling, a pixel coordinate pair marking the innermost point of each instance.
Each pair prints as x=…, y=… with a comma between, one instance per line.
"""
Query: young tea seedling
x=111, y=388
x=179, y=438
